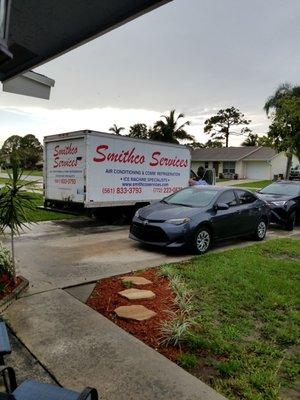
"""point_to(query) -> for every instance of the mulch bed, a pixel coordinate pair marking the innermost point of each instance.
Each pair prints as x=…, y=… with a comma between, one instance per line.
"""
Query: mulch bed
x=10, y=286
x=105, y=299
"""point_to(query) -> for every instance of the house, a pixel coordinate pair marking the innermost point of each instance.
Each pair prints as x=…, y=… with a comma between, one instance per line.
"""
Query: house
x=253, y=162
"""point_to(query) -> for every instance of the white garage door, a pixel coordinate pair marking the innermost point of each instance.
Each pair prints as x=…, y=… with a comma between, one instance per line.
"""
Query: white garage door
x=257, y=170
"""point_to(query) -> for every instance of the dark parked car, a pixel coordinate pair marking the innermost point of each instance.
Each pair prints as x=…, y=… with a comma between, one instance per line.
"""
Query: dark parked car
x=283, y=198
x=199, y=215
x=295, y=173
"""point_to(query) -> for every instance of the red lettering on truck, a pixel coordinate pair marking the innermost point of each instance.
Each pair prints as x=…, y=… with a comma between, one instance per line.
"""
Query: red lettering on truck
x=166, y=161
x=62, y=151
x=125, y=156
x=131, y=157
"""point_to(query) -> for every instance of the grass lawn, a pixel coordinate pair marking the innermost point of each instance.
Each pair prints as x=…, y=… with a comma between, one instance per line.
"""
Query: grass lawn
x=35, y=172
x=245, y=330
x=42, y=215
x=3, y=181
x=222, y=180
x=26, y=172
x=254, y=185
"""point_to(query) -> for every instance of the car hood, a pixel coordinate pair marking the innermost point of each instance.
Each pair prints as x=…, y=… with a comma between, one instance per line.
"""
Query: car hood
x=274, y=197
x=162, y=211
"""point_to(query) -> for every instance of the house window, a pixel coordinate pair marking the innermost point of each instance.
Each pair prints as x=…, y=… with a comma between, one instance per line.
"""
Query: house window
x=206, y=164
x=229, y=166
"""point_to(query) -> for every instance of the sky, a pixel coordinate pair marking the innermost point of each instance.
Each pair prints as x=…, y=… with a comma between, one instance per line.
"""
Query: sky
x=196, y=56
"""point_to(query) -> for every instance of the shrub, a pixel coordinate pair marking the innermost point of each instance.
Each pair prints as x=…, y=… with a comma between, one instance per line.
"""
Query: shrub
x=175, y=330
x=187, y=361
x=6, y=267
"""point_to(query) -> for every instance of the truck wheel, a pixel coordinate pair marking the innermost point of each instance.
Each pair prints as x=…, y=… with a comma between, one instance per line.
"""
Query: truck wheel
x=261, y=230
x=291, y=221
x=202, y=240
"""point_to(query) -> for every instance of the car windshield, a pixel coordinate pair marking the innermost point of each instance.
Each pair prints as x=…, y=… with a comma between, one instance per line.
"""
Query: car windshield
x=282, y=188
x=192, y=197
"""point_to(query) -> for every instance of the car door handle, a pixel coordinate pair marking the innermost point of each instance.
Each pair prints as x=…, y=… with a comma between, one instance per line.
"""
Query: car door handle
x=237, y=212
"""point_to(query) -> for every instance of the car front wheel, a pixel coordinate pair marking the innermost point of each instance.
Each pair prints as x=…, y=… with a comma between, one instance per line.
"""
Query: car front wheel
x=202, y=241
x=261, y=230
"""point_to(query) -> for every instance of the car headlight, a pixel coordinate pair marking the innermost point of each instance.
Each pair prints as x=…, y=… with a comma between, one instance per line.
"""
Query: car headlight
x=279, y=203
x=178, y=221
x=137, y=214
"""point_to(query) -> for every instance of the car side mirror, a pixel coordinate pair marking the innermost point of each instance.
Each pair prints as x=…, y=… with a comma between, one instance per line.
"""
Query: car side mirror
x=221, y=206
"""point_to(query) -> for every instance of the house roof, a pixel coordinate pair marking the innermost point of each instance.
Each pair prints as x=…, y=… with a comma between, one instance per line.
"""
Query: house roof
x=262, y=154
x=247, y=153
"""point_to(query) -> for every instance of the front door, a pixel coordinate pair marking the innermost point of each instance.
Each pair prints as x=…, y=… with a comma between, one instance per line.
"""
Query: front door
x=215, y=165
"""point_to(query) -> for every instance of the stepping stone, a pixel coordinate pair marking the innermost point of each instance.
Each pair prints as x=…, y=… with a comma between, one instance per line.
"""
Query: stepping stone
x=136, y=280
x=136, y=312
x=137, y=294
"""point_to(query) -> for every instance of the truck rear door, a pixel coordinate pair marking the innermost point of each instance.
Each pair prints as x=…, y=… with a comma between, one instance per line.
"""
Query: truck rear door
x=65, y=170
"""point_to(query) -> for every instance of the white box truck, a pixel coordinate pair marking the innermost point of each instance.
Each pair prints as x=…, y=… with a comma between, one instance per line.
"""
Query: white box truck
x=92, y=170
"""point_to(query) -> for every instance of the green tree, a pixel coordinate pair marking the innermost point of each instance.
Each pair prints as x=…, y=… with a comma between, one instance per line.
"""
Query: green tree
x=251, y=140
x=196, y=145
x=220, y=125
x=139, y=131
x=11, y=144
x=14, y=205
x=30, y=151
x=209, y=144
x=168, y=129
x=27, y=149
x=283, y=108
x=213, y=143
x=265, y=140
x=283, y=91
x=116, y=130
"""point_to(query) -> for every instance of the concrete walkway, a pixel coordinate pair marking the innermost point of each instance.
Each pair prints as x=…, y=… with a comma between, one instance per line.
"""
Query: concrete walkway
x=82, y=348
x=77, y=345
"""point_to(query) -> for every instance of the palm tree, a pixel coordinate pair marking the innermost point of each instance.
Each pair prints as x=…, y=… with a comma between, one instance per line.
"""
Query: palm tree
x=274, y=102
x=169, y=130
x=284, y=90
x=15, y=202
x=116, y=130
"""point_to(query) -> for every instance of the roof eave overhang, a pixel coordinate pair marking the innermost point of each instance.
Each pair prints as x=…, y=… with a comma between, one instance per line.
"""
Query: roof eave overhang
x=50, y=55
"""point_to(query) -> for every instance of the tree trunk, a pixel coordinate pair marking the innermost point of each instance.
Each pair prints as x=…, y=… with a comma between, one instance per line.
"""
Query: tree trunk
x=13, y=255
x=289, y=156
x=227, y=139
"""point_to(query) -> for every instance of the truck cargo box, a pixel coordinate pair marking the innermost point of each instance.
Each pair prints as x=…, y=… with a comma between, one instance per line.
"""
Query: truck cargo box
x=98, y=169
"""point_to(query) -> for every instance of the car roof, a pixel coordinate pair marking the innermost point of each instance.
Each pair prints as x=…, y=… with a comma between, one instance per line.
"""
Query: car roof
x=217, y=188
